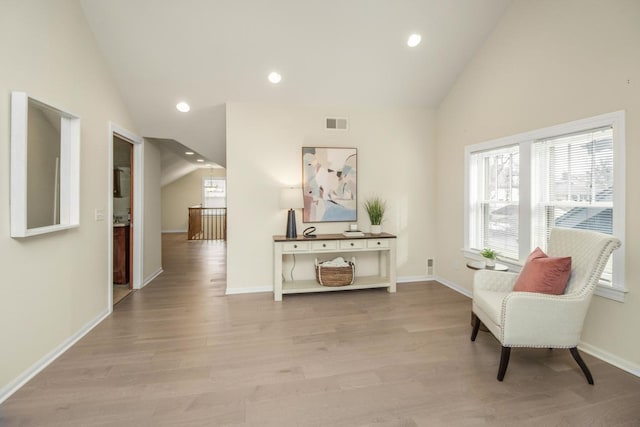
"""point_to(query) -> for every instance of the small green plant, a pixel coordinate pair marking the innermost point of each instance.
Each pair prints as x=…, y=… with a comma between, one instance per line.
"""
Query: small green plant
x=375, y=207
x=489, y=253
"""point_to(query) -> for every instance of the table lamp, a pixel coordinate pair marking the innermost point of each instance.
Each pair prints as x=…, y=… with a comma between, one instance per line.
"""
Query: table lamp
x=291, y=198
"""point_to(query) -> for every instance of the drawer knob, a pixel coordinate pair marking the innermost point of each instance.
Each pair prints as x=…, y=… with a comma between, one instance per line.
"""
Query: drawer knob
x=295, y=246
x=352, y=244
x=378, y=243
x=324, y=245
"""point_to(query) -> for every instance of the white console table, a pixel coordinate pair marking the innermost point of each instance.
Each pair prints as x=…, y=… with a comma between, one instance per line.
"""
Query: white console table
x=384, y=244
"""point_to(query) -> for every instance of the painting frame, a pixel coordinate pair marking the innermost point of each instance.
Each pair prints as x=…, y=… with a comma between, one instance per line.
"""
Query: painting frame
x=330, y=184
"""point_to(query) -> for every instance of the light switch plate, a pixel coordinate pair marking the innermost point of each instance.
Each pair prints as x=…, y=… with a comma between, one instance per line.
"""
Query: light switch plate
x=99, y=214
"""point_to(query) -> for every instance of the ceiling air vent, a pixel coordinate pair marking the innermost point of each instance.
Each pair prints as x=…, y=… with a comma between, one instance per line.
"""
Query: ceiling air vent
x=336, y=123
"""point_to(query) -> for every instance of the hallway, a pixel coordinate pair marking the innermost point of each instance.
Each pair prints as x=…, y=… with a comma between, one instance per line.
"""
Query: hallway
x=179, y=352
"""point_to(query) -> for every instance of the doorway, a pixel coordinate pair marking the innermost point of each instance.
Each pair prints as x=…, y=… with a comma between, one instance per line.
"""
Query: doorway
x=125, y=214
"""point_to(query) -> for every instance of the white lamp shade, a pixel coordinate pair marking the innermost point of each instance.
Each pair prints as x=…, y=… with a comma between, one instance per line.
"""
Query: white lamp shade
x=291, y=198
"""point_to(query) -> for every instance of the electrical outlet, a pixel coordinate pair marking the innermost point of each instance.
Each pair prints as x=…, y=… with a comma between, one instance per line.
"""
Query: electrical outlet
x=99, y=214
x=430, y=267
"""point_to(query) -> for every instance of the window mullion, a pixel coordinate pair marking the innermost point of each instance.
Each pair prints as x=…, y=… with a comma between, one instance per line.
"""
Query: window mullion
x=524, y=229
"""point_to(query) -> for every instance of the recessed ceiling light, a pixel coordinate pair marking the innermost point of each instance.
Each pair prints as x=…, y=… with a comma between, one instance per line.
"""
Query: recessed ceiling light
x=199, y=160
x=274, y=77
x=189, y=153
x=414, y=40
x=183, y=107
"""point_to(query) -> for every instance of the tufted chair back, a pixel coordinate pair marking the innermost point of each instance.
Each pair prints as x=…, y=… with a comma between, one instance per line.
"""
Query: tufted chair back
x=589, y=253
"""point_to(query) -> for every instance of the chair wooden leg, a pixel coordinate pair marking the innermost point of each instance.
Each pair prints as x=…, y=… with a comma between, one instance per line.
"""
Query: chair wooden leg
x=504, y=362
x=476, y=328
x=583, y=366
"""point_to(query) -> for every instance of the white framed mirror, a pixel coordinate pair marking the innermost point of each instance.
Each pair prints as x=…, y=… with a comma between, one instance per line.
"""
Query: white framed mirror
x=45, y=167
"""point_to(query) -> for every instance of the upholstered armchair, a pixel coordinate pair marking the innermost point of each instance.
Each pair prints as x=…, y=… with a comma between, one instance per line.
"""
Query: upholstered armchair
x=527, y=319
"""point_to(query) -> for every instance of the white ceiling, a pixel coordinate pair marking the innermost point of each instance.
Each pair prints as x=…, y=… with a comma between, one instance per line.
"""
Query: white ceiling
x=347, y=53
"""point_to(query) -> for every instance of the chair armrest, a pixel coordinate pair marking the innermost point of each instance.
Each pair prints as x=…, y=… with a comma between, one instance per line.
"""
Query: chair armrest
x=491, y=280
x=541, y=320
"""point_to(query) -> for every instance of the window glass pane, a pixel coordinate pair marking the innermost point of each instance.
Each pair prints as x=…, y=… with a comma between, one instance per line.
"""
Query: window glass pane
x=501, y=232
x=213, y=192
x=497, y=177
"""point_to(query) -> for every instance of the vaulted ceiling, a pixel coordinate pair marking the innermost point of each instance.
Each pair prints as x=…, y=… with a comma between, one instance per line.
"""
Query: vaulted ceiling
x=347, y=53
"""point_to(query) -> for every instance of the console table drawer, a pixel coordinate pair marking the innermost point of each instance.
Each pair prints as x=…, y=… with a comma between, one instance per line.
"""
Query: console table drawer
x=324, y=245
x=352, y=244
x=380, y=243
x=295, y=247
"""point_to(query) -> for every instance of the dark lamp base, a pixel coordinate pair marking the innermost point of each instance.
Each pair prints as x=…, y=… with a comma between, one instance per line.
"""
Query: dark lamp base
x=291, y=225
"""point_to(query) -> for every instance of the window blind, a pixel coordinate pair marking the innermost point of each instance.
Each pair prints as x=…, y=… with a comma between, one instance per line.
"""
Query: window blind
x=572, y=183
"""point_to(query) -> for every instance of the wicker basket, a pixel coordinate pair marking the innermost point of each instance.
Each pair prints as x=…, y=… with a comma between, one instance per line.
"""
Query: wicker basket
x=335, y=276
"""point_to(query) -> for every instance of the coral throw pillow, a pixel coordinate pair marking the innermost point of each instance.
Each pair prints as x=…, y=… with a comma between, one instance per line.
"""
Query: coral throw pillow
x=544, y=274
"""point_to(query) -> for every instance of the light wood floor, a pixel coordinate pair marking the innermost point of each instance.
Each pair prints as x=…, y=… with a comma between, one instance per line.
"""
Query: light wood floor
x=120, y=292
x=180, y=352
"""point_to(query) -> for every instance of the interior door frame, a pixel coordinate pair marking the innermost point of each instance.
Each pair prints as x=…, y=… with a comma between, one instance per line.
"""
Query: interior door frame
x=137, y=228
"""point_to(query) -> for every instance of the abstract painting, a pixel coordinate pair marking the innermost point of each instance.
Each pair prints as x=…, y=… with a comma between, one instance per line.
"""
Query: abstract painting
x=329, y=177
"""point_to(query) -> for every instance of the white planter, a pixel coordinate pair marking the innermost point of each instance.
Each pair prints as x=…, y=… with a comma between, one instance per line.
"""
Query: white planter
x=490, y=263
x=376, y=229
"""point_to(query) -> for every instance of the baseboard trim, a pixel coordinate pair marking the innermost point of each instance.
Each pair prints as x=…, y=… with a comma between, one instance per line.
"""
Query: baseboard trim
x=36, y=368
x=611, y=359
x=449, y=284
x=174, y=231
x=149, y=278
x=255, y=290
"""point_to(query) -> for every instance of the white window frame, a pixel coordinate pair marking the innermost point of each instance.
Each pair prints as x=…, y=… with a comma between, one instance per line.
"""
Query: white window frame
x=614, y=290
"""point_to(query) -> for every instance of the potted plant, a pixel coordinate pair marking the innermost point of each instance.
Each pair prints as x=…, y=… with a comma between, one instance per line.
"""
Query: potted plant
x=489, y=256
x=375, y=207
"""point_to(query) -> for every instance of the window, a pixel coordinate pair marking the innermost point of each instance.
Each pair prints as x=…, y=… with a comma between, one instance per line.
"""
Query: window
x=573, y=184
x=570, y=175
x=495, y=195
x=214, y=192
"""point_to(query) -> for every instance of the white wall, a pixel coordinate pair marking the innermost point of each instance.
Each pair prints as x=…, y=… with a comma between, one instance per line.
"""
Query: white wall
x=395, y=160
x=54, y=285
x=181, y=194
x=549, y=62
x=152, y=249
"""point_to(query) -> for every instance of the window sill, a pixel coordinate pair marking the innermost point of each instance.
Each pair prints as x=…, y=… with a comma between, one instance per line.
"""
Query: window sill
x=607, y=291
x=602, y=290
